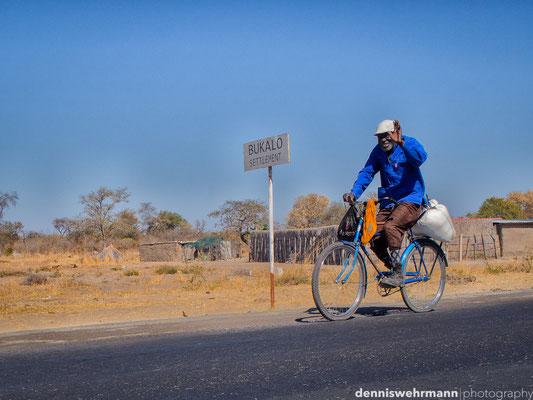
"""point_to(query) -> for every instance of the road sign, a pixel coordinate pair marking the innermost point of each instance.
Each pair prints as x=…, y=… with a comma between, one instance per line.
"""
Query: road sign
x=267, y=152
x=264, y=153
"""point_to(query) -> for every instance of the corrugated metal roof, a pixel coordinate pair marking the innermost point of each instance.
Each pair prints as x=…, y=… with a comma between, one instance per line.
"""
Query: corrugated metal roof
x=476, y=219
x=513, y=221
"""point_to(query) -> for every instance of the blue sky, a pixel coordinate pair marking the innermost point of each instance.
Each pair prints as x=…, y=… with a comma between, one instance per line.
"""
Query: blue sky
x=160, y=96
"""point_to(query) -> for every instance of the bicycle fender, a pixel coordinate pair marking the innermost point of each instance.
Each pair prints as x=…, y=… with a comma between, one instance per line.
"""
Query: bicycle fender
x=405, y=252
x=414, y=244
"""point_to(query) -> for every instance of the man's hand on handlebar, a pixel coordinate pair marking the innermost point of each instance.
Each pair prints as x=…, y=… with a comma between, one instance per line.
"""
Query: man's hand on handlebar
x=348, y=197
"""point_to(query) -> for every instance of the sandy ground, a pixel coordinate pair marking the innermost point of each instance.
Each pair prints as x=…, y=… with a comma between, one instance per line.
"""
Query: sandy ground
x=87, y=292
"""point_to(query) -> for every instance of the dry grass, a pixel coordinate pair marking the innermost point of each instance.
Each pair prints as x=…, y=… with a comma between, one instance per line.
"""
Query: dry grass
x=34, y=279
x=51, y=260
x=297, y=275
x=517, y=265
x=77, y=291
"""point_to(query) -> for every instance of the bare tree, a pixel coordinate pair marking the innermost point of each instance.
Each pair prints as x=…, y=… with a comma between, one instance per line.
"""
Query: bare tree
x=147, y=212
x=241, y=216
x=199, y=226
x=7, y=200
x=98, y=209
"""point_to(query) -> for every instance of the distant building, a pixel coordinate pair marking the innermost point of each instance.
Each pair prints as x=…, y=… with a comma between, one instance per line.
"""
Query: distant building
x=208, y=248
x=516, y=237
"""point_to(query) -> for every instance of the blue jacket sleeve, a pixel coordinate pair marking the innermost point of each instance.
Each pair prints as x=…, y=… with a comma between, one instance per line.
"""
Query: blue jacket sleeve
x=414, y=152
x=365, y=176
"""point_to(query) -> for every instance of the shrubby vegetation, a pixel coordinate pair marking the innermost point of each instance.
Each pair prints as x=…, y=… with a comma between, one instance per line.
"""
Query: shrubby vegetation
x=516, y=205
x=241, y=217
x=314, y=210
x=102, y=222
x=9, y=231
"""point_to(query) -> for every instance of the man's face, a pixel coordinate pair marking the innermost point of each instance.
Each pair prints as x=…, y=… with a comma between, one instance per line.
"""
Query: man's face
x=385, y=142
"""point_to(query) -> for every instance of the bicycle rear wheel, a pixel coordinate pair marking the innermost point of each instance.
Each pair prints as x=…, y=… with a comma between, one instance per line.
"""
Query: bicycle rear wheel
x=425, y=276
x=339, y=281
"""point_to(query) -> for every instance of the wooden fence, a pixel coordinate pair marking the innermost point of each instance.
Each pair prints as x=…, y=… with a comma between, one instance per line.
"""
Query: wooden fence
x=292, y=245
x=473, y=247
x=304, y=245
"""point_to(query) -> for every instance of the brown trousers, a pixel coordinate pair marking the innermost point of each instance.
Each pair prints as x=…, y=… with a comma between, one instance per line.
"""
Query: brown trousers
x=392, y=223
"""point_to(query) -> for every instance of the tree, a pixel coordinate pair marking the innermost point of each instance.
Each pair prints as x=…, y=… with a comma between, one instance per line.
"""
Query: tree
x=126, y=225
x=199, y=226
x=65, y=226
x=307, y=211
x=524, y=201
x=9, y=233
x=7, y=199
x=165, y=221
x=98, y=209
x=497, y=207
x=333, y=214
x=241, y=216
x=147, y=212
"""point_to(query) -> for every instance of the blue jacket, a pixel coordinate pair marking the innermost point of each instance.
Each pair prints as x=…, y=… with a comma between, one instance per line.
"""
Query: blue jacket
x=401, y=178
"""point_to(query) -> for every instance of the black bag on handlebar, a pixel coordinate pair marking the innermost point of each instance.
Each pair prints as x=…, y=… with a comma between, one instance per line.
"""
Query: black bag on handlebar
x=348, y=225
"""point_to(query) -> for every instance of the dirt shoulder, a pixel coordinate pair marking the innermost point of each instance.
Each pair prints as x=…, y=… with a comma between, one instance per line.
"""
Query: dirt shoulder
x=76, y=294
x=95, y=335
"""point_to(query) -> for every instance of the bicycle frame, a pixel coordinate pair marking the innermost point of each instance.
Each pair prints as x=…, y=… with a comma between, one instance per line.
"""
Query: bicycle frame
x=418, y=267
x=356, y=245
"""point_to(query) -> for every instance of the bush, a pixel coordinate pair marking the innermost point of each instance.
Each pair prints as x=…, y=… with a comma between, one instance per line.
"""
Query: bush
x=166, y=270
x=131, y=272
x=125, y=244
x=459, y=276
x=197, y=278
x=34, y=279
x=195, y=282
x=194, y=269
x=11, y=273
x=44, y=244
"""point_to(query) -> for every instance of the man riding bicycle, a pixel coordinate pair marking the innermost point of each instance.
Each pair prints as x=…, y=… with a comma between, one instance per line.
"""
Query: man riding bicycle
x=398, y=159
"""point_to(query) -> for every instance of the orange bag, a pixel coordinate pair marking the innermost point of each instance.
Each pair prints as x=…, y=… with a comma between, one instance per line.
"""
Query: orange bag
x=370, y=225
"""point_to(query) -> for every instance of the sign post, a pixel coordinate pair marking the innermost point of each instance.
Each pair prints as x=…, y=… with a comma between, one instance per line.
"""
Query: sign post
x=264, y=153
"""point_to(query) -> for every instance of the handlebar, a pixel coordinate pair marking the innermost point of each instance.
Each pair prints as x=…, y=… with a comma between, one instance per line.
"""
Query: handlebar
x=353, y=203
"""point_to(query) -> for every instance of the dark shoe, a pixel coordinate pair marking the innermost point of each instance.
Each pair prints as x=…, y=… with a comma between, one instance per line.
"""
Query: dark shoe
x=394, y=280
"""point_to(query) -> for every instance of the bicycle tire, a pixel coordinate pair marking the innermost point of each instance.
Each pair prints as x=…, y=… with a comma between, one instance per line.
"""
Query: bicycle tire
x=423, y=295
x=337, y=292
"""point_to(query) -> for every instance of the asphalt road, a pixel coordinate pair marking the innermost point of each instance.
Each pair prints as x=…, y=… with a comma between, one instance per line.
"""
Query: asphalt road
x=472, y=344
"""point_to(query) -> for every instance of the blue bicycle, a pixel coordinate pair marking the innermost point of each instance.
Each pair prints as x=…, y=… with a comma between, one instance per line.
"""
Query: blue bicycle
x=340, y=274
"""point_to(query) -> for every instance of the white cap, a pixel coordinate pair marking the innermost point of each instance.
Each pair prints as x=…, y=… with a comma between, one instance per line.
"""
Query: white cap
x=387, y=125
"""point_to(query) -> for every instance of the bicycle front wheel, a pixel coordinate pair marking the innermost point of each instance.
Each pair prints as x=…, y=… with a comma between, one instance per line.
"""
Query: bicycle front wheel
x=424, y=272
x=339, y=281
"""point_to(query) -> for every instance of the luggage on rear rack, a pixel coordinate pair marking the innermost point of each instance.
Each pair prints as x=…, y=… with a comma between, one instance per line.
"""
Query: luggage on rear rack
x=435, y=222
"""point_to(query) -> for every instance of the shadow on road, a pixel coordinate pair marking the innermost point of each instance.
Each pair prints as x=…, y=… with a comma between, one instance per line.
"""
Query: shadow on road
x=315, y=316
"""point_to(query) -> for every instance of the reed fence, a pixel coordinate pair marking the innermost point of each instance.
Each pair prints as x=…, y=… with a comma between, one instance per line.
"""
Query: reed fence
x=304, y=245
